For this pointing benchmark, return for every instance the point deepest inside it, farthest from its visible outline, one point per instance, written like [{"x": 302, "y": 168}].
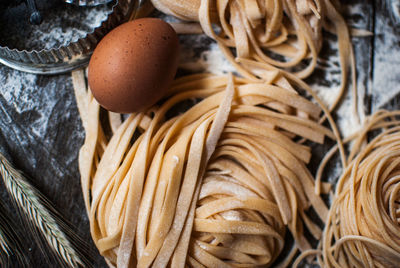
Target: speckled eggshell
[{"x": 133, "y": 65}]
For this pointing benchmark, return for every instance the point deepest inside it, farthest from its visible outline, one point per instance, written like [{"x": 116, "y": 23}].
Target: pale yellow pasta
[
  {"x": 363, "y": 226},
  {"x": 215, "y": 186},
  {"x": 279, "y": 34}
]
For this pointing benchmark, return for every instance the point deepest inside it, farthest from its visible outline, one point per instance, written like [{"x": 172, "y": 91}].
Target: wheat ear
[
  {"x": 28, "y": 200},
  {"x": 11, "y": 252}
]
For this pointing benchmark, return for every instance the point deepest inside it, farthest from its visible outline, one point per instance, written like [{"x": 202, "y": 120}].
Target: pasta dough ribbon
[
  {"x": 213, "y": 186},
  {"x": 363, "y": 224}
]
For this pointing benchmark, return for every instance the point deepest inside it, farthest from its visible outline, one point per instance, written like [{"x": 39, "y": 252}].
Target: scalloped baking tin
[
  {"x": 87, "y": 2},
  {"x": 71, "y": 56}
]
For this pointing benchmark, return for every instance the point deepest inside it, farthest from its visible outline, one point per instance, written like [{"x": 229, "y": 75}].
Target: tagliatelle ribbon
[
  {"x": 363, "y": 227},
  {"x": 279, "y": 34},
  {"x": 214, "y": 186}
]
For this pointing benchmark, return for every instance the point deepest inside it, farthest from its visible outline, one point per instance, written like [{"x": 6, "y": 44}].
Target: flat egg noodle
[
  {"x": 284, "y": 35},
  {"x": 363, "y": 225},
  {"x": 215, "y": 186}
]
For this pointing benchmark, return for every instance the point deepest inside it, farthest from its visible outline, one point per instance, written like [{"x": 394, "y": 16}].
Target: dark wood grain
[{"x": 41, "y": 132}]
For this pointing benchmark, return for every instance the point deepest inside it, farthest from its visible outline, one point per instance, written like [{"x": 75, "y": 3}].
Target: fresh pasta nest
[
  {"x": 217, "y": 185},
  {"x": 363, "y": 229},
  {"x": 276, "y": 33},
  {"x": 258, "y": 37}
]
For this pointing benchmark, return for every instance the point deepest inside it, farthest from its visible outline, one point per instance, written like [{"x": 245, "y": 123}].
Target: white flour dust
[
  {"x": 211, "y": 60},
  {"x": 52, "y": 36},
  {"x": 34, "y": 98},
  {"x": 60, "y": 26},
  {"x": 386, "y": 78}
]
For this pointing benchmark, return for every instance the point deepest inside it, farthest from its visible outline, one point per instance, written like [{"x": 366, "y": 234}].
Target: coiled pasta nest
[
  {"x": 258, "y": 37},
  {"x": 363, "y": 226},
  {"x": 216, "y": 185}
]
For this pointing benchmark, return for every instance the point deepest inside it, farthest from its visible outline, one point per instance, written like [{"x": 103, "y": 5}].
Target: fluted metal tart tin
[
  {"x": 87, "y": 2},
  {"x": 74, "y": 54}
]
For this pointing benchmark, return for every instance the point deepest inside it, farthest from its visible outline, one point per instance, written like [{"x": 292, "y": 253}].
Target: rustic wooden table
[{"x": 41, "y": 132}]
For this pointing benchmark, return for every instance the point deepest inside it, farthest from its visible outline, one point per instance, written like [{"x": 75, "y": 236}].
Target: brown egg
[{"x": 133, "y": 65}]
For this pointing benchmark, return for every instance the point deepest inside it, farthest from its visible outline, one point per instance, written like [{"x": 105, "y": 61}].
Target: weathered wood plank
[
  {"x": 40, "y": 129},
  {"x": 386, "y": 61}
]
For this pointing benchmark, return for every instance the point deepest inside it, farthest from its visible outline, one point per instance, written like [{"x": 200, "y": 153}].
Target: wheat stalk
[
  {"x": 4, "y": 248},
  {"x": 4, "y": 243},
  {"x": 29, "y": 201},
  {"x": 11, "y": 252}
]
